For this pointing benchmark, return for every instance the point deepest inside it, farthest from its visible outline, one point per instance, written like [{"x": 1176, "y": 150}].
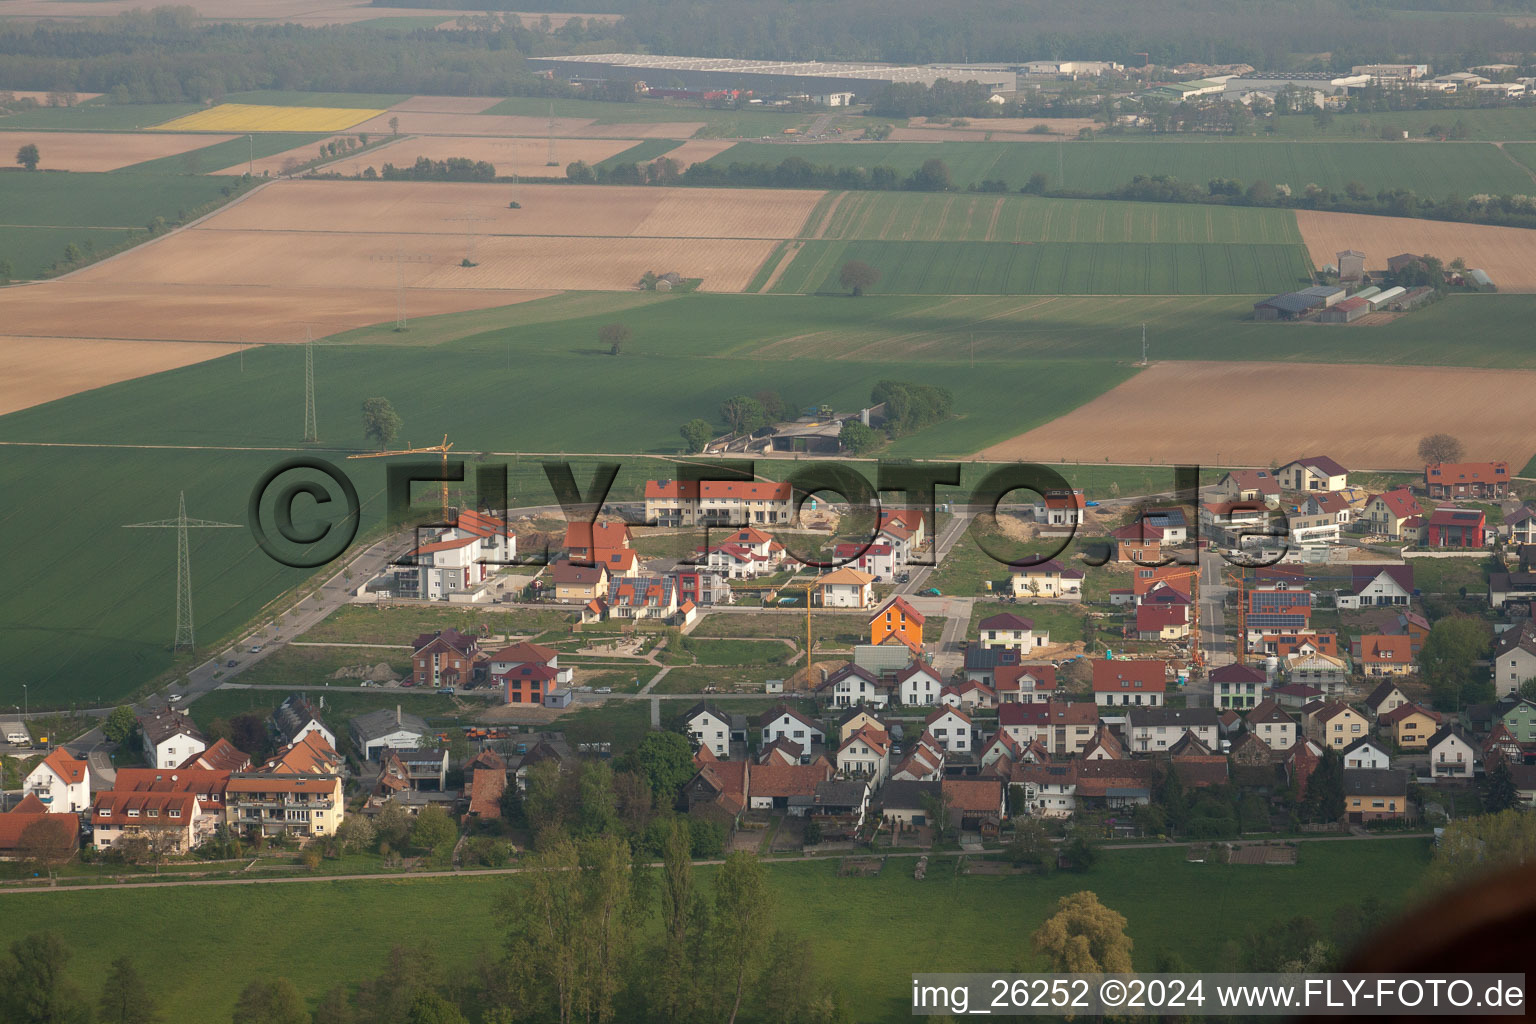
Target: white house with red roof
[
  {"x": 1060, "y": 508},
  {"x": 1024, "y": 684},
  {"x": 1166, "y": 622},
  {"x": 1049, "y": 580},
  {"x": 1250, "y": 485},
  {"x": 718, "y": 502},
  {"x": 924, "y": 762},
  {"x": 968, "y": 694},
  {"x": 878, "y": 559},
  {"x": 456, "y": 560},
  {"x": 1466, "y": 479},
  {"x": 527, "y": 672},
  {"x": 865, "y": 754},
  {"x": 908, "y": 522},
  {"x": 61, "y": 782},
  {"x": 846, "y": 588},
  {"x": 1313, "y": 473},
  {"x": 918, "y": 684},
  {"x": 744, "y": 554},
  {"x": 951, "y": 727},
  {"x": 1386, "y": 513},
  {"x": 1121, "y": 683},
  {"x": 851, "y": 685},
  {"x": 784, "y": 722}
]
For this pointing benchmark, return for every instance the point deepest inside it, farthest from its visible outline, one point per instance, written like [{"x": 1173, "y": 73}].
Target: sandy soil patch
[
  {"x": 432, "y": 207},
  {"x": 523, "y": 157},
  {"x": 1507, "y": 254},
  {"x": 447, "y": 104},
  {"x": 38, "y": 370},
  {"x": 696, "y": 151},
  {"x": 229, "y": 313},
  {"x": 615, "y": 264},
  {"x": 42, "y": 95},
  {"x": 1221, "y": 414},
  {"x": 103, "y": 151}
]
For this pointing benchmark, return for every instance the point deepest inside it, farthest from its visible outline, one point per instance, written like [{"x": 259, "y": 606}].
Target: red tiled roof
[
  {"x": 113, "y": 808},
  {"x": 1466, "y": 472},
  {"x": 526, "y": 653},
  {"x": 1400, "y": 502},
  {"x": 1380, "y": 649},
  {"x": 746, "y": 490},
  {"x": 607, "y": 535},
  {"x": 974, "y": 795},
  {"x": 788, "y": 779},
  {"x": 485, "y": 789},
  {"x": 899, "y": 604},
  {"x": 1403, "y": 711},
  {"x": 1122, "y": 675},
  {"x": 65, "y": 766},
  {"x": 1156, "y": 617},
  {"x": 938, "y": 713}
]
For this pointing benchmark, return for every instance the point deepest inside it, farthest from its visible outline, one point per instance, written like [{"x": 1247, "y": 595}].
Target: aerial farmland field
[
  {"x": 1440, "y": 169},
  {"x": 1507, "y": 254},
  {"x": 1052, "y": 268},
  {"x": 101, "y": 151},
  {"x": 249, "y": 117}
]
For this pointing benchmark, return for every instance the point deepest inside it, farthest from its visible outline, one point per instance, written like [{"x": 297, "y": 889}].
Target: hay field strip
[
  {"x": 1489, "y": 410},
  {"x": 1507, "y": 254},
  {"x": 241, "y": 117},
  {"x": 102, "y": 151}
]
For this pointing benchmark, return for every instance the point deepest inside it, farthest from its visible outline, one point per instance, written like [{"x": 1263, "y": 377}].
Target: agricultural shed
[
  {"x": 1328, "y": 293},
  {"x": 1386, "y": 298},
  {"x": 1345, "y": 312},
  {"x": 1285, "y": 307}
]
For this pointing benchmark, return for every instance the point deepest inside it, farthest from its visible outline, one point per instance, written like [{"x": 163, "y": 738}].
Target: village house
[
  {"x": 169, "y": 738},
  {"x": 1456, "y": 528},
  {"x": 1296, "y": 695},
  {"x": 60, "y": 782},
  {"x": 1164, "y": 622},
  {"x": 1147, "y": 579},
  {"x": 589, "y": 543},
  {"x": 1514, "y": 658},
  {"x": 1250, "y": 485},
  {"x": 642, "y": 597},
  {"x": 1409, "y": 726},
  {"x": 924, "y": 762},
  {"x": 1235, "y": 523},
  {"x": 378, "y": 730},
  {"x": 784, "y": 722},
  {"x": 303, "y": 806},
  {"x": 880, "y": 559},
  {"x": 968, "y": 695},
  {"x": 1011, "y": 631},
  {"x": 1151, "y": 730},
  {"x": 1050, "y": 580},
  {"x": 858, "y": 718},
  {"x": 1269, "y": 722},
  {"x": 528, "y": 673},
  {"x": 1001, "y": 750},
  {"x": 897, "y": 622},
  {"x": 708, "y": 726},
  {"x": 296, "y": 718},
  {"x": 851, "y": 685},
  {"x": 906, "y": 801},
  {"x": 223, "y": 756},
  {"x": 1329, "y": 505},
  {"x": 981, "y": 664},
  {"x": 786, "y": 787},
  {"x": 846, "y": 588},
  {"x": 918, "y": 684},
  {"x": 456, "y": 560},
  {"x": 413, "y": 769},
  {"x": 1412, "y": 625},
  {"x": 746, "y": 553},
  {"x": 1375, "y": 794},
  {"x": 444, "y": 658},
  {"x": 1466, "y": 479},
  {"x": 1373, "y": 586},
  {"x": 866, "y": 754},
  {"x": 718, "y": 502},
  {"x": 1024, "y": 684},
  {"x": 1312, "y": 669},
  {"x": 1278, "y": 611},
  {"x": 1120, "y": 683},
  {"x": 1365, "y": 753},
  {"x": 1068, "y": 727},
  {"x": 1387, "y": 696},
  {"x": 1521, "y": 525},
  {"x": 1138, "y": 542},
  {"x": 974, "y": 803},
  {"x": 170, "y": 821},
  {"x": 1333, "y": 724},
  {"x": 578, "y": 584},
  {"x": 1386, "y": 513},
  {"x": 1045, "y": 790},
  {"x": 717, "y": 792},
  {"x": 951, "y": 727},
  {"x": 485, "y": 782},
  {"x": 1451, "y": 754},
  {"x": 1380, "y": 655},
  {"x": 1314, "y": 473},
  {"x": 1237, "y": 686},
  {"x": 1060, "y": 508}
]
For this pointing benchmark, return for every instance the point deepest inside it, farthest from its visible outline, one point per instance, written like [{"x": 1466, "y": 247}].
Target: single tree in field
[
  {"x": 28, "y": 157},
  {"x": 613, "y": 336},
  {"x": 857, "y": 275},
  {"x": 270, "y": 1002},
  {"x": 124, "y": 997},
  {"x": 696, "y": 434},
  {"x": 742, "y": 413},
  {"x": 6, "y": 270},
  {"x": 1440, "y": 448},
  {"x": 394, "y": 126},
  {"x": 380, "y": 421},
  {"x": 1084, "y": 937}
]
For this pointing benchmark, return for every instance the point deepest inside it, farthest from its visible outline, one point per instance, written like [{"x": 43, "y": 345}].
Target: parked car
[
  {"x": 603, "y": 689},
  {"x": 448, "y": 690},
  {"x": 175, "y": 697},
  {"x": 256, "y": 649},
  {"x": 19, "y": 739},
  {"x": 231, "y": 663}
]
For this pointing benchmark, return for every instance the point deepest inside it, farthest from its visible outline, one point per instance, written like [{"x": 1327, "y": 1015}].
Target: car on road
[
  {"x": 1090, "y": 504},
  {"x": 19, "y": 739},
  {"x": 603, "y": 689},
  {"x": 447, "y": 690},
  {"x": 175, "y": 697},
  {"x": 256, "y": 649},
  {"x": 932, "y": 592},
  {"x": 231, "y": 663},
  {"x": 903, "y": 577}
]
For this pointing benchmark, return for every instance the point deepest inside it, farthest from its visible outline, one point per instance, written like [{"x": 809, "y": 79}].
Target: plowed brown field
[
  {"x": 1224, "y": 414},
  {"x": 522, "y": 125},
  {"x": 1507, "y": 254},
  {"x": 103, "y": 151},
  {"x": 523, "y": 157},
  {"x": 39, "y": 370}
]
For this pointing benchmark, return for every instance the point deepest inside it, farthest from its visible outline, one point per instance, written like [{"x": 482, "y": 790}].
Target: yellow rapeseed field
[{"x": 245, "y": 117}]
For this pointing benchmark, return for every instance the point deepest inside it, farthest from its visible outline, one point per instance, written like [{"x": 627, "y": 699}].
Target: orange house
[
  {"x": 897, "y": 620},
  {"x": 1179, "y": 577}
]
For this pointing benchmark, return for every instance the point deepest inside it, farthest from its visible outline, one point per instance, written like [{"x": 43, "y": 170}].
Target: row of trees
[
  {"x": 742, "y": 414},
  {"x": 454, "y": 168},
  {"x": 34, "y": 988}
]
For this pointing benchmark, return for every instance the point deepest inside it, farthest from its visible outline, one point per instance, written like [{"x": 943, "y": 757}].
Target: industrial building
[{"x": 824, "y": 81}]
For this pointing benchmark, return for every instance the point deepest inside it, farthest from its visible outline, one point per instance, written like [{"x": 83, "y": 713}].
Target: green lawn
[
  {"x": 97, "y": 115},
  {"x": 437, "y": 709},
  {"x": 224, "y": 154},
  {"x": 1052, "y": 268},
  {"x": 1063, "y": 621},
  {"x": 929, "y": 217},
  {"x": 706, "y": 651},
  {"x": 828, "y": 629},
  {"x": 847, "y": 920},
  {"x": 361, "y": 624},
  {"x": 1448, "y": 575},
  {"x": 1490, "y": 124},
  {"x": 1460, "y": 168}
]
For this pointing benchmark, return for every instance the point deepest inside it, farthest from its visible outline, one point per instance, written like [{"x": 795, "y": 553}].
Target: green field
[
  {"x": 1497, "y": 124},
  {"x": 848, "y": 920},
  {"x": 1525, "y": 152},
  {"x": 97, "y": 115},
  {"x": 717, "y": 123},
  {"x": 42, "y": 212},
  {"x": 641, "y": 152},
  {"x": 1460, "y": 168},
  {"x": 925, "y": 217},
  {"x": 224, "y": 154},
  {"x": 1052, "y": 268}
]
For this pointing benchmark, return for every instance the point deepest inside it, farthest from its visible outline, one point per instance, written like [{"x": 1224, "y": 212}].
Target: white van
[{"x": 19, "y": 739}]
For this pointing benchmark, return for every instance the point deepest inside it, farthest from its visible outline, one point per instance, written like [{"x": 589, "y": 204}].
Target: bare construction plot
[
  {"x": 39, "y": 370},
  {"x": 1220, "y": 414},
  {"x": 103, "y": 151},
  {"x": 1507, "y": 254}
]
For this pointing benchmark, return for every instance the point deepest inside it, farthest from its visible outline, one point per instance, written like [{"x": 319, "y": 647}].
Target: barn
[{"x": 1345, "y": 312}]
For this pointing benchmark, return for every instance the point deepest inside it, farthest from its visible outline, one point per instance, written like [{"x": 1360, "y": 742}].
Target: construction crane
[
  {"x": 807, "y": 589},
  {"x": 443, "y": 448},
  {"x": 1193, "y": 575}
]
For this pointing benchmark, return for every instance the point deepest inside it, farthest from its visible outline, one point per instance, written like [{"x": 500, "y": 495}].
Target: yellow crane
[
  {"x": 443, "y": 448},
  {"x": 808, "y": 588}
]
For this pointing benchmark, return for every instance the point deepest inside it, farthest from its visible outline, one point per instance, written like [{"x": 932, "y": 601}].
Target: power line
[
  {"x": 400, "y": 258},
  {"x": 184, "y": 635},
  {"x": 311, "y": 429}
]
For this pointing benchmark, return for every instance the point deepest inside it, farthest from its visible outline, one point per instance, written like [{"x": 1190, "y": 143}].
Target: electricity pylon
[
  {"x": 184, "y": 637},
  {"x": 311, "y": 429}
]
